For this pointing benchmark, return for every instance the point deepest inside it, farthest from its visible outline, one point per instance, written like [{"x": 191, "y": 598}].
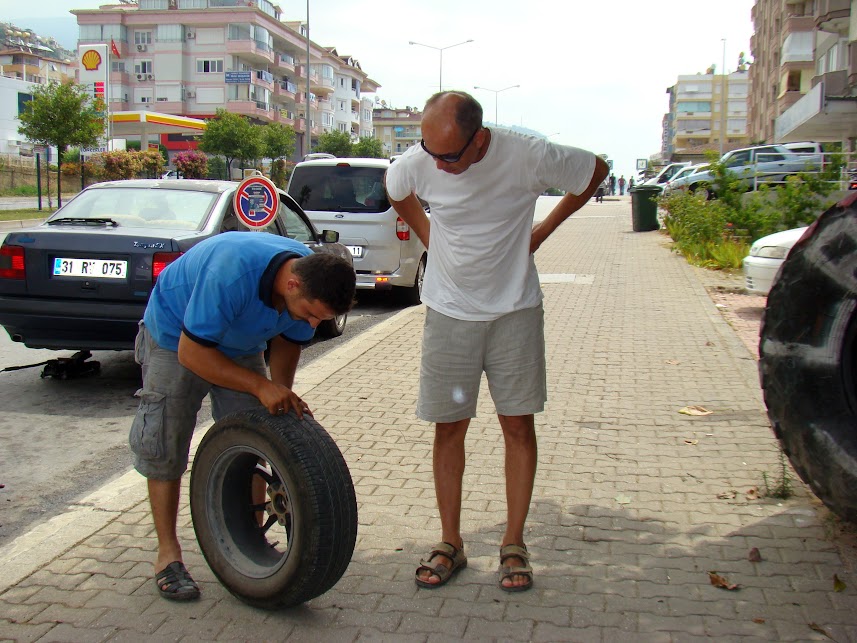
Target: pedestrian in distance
[
  {"x": 612, "y": 185},
  {"x": 622, "y": 185},
  {"x": 204, "y": 331},
  {"x": 484, "y": 304},
  {"x": 630, "y": 184},
  {"x": 599, "y": 192}
]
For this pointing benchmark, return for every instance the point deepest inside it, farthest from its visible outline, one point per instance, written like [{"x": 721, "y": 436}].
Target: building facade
[
  {"x": 783, "y": 63},
  {"x": 191, "y": 57},
  {"x": 707, "y": 111},
  {"x": 397, "y": 129},
  {"x": 828, "y": 110}
]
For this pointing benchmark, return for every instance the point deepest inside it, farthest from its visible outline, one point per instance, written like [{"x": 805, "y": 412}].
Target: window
[
  {"x": 170, "y": 33},
  {"x": 213, "y": 66},
  {"x": 117, "y": 65},
  {"x": 142, "y": 37},
  {"x": 143, "y": 67}
]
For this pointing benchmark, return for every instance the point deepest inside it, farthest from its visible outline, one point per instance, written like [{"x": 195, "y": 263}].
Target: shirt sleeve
[
  {"x": 567, "y": 168},
  {"x": 213, "y": 306},
  {"x": 398, "y": 182}
]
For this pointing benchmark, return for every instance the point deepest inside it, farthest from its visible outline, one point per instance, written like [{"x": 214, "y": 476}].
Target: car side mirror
[{"x": 329, "y": 236}]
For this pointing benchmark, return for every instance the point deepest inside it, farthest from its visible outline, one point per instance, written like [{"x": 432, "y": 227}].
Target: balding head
[{"x": 453, "y": 109}]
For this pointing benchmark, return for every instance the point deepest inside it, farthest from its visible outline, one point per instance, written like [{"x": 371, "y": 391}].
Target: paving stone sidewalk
[{"x": 634, "y": 503}]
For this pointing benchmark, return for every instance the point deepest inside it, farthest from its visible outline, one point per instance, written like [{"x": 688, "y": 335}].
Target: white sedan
[{"x": 766, "y": 256}]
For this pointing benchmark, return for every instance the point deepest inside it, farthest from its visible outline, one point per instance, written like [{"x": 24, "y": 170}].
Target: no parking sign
[{"x": 256, "y": 202}]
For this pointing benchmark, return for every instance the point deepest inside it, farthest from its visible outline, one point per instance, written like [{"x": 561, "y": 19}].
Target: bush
[
  {"x": 192, "y": 164},
  {"x": 70, "y": 169},
  {"x": 152, "y": 163},
  {"x": 217, "y": 168},
  {"x": 278, "y": 173}
]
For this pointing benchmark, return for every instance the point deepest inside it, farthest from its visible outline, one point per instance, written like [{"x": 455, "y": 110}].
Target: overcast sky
[{"x": 596, "y": 72}]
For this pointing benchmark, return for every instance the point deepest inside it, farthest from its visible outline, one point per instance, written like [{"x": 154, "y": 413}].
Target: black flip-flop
[{"x": 175, "y": 583}]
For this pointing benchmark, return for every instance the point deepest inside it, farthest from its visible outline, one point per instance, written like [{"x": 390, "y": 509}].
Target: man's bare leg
[
  {"x": 448, "y": 465},
  {"x": 519, "y": 434},
  {"x": 164, "y": 500}
]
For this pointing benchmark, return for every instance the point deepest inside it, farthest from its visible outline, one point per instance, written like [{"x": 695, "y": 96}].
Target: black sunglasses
[{"x": 450, "y": 158}]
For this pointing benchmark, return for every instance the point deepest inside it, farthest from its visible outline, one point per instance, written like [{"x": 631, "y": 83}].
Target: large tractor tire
[
  {"x": 808, "y": 358},
  {"x": 296, "y": 543}
]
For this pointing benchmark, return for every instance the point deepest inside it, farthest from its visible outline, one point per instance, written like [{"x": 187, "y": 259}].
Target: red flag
[{"x": 114, "y": 48}]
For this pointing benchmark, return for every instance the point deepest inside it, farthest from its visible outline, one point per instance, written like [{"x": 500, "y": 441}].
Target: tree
[
  {"x": 369, "y": 148},
  {"x": 62, "y": 115},
  {"x": 279, "y": 141},
  {"x": 228, "y": 134},
  {"x": 251, "y": 147},
  {"x": 336, "y": 143}
]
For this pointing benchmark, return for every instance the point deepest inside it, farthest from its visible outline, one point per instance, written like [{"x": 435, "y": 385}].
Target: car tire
[
  {"x": 808, "y": 358},
  {"x": 413, "y": 294},
  {"x": 333, "y": 327},
  {"x": 310, "y": 510}
]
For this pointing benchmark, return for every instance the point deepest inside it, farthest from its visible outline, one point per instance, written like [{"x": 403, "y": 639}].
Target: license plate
[
  {"x": 97, "y": 268},
  {"x": 356, "y": 251}
]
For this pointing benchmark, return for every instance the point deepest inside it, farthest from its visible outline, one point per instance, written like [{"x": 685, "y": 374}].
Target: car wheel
[
  {"x": 808, "y": 364},
  {"x": 333, "y": 327},
  {"x": 413, "y": 295},
  {"x": 308, "y": 517}
]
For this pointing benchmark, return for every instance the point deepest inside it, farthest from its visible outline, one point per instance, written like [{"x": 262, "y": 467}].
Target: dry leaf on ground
[
  {"x": 719, "y": 581},
  {"x": 727, "y": 495},
  {"x": 838, "y": 585},
  {"x": 754, "y": 555},
  {"x": 695, "y": 410}
]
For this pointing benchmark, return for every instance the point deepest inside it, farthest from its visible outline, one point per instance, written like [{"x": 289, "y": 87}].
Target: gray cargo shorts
[
  {"x": 510, "y": 351},
  {"x": 169, "y": 402}
]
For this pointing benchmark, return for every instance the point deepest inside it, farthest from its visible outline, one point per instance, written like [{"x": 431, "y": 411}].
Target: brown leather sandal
[
  {"x": 444, "y": 573},
  {"x": 508, "y": 571}
]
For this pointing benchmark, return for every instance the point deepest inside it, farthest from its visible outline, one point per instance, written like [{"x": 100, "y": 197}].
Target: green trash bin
[{"x": 644, "y": 207}]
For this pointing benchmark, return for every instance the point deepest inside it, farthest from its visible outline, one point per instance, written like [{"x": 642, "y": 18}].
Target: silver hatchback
[{"x": 347, "y": 195}]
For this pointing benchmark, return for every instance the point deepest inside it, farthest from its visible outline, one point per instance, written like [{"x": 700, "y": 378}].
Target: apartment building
[
  {"x": 397, "y": 129},
  {"x": 191, "y": 57},
  {"x": 828, "y": 110},
  {"x": 782, "y": 46},
  {"x": 707, "y": 111}
]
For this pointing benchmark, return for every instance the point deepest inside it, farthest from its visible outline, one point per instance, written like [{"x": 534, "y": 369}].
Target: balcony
[
  {"x": 832, "y": 15},
  {"x": 251, "y": 50},
  {"x": 251, "y": 108},
  {"x": 284, "y": 61},
  {"x": 285, "y": 117},
  {"x": 835, "y": 82},
  {"x": 285, "y": 89},
  {"x": 264, "y": 79},
  {"x": 794, "y": 24}
]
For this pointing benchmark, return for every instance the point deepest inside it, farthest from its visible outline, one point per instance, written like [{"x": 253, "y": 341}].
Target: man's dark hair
[
  {"x": 327, "y": 278},
  {"x": 468, "y": 111}
]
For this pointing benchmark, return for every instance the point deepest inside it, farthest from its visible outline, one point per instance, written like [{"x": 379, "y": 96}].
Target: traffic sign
[{"x": 256, "y": 202}]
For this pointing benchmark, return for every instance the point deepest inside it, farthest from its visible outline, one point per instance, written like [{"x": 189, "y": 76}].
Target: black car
[{"x": 81, "y": 279}]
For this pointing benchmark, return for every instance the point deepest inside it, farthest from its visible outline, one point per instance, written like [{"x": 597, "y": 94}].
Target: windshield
[
  {"x": 141, "y": 207},
  {"x": 339, "y": 188}
]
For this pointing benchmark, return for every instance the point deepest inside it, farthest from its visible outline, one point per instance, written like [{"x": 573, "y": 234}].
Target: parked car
[
  {"x": 665, "y": 174},
  {"x": 347, "y": 195},
  {"x": 314, "y": 156},
  {"x": 81, "y": 279},
  {"x": 172, "y": 174},
  {"x": 762, "y": 164},
  {"x": 766, "y": 256},
  {"x": 681, "y": 179}
]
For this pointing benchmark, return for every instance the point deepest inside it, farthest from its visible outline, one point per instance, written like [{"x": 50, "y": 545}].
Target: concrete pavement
[{"x": 634, "y": 502}]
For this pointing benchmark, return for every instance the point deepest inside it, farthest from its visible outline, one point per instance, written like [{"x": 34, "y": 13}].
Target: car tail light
[
  {"x": 403, "y": 230},
  {"x": 161, "y": 260},
  {"x": 12, "y": 262}
]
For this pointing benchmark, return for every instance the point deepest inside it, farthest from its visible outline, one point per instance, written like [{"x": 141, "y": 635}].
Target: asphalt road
[{"x": 63, "y": 438}]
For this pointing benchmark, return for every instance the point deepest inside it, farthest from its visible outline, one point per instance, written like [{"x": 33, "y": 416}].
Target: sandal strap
[
  {"x": 444, "y": 549},
  {"x": 175, "y": 574},
  {"x": 514, "y": 551}
]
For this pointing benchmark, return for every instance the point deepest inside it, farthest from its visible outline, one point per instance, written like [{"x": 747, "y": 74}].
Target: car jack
[{"x": 65, "y": 368}]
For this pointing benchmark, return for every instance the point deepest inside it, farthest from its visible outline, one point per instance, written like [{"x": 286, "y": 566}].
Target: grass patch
[
  {"x": 780, "y": 485},
  {"x": 25, "y": 213}
]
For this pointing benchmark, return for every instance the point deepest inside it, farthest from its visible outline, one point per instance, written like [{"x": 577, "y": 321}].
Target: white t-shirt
[{"x": 479, "y": 262}]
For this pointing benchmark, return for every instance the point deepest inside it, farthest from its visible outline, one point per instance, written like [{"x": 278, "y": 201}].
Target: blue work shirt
[{"x": 219, "y": 293}]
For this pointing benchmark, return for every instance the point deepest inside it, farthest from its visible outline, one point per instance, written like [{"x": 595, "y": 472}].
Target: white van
[
  {"x": 347, "y": 195},
  {"x": 667, "y": 172}
]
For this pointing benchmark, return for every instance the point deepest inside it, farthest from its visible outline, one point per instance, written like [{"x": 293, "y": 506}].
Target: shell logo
[{"x": 91, "y": 60}]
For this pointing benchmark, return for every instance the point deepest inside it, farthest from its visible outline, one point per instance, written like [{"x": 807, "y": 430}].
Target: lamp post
[
  {"x": 497, "y": 91},
  {"x": 440, "y": 49},
  {"x": 724, "y": 99},
  {"x": 308, "y": 121}
]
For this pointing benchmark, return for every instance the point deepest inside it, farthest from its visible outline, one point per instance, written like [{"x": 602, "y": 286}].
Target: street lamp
[
  {"x": 724, "y": 99},
  {"x": 440, "y": 49},
  {"x": 497, "y": 91}
]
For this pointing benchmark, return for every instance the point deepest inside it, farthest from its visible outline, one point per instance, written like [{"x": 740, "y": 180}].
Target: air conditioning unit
[
  {"x": 190, "y": 94},
  {"x": 150, "y": 76},
  {"x": 142, "y": 47},
  {"x": 141, "y": 76},
  {"x": 190, "y": 35}
]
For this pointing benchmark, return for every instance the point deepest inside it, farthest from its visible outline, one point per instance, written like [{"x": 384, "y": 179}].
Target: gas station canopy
[{"x": 144, "y": 123}]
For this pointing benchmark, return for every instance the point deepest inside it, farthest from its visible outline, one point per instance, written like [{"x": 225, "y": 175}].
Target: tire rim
[{"x": 254, "y": 550}]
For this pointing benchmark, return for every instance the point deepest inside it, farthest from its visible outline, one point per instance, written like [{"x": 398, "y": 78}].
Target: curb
[
  {"x": 51, "y": 539},
  {"x": 19, "y": 224}
]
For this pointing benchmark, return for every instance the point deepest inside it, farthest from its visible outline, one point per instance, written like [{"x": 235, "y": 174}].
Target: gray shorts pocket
[{"x": 147, "y": 430}]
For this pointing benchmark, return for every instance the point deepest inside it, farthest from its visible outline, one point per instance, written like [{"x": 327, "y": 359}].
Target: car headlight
[{"x": 772, "y": 252}]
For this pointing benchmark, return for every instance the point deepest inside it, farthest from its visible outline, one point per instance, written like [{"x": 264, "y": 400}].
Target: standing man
[
  {"x": 484, "y": 301},
  {"x": 204, "y": 331}
]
